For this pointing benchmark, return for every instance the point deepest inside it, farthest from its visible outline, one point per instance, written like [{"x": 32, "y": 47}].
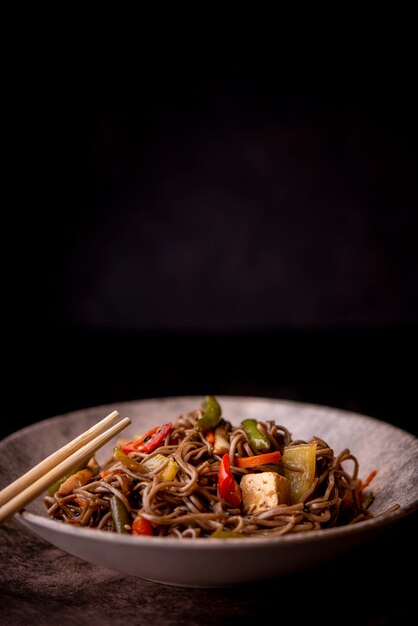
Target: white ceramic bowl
[{"x": 223, "y": 562}]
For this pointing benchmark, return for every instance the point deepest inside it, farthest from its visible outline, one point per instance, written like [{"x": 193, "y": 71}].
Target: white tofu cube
[{"x": 264, "y": 491}]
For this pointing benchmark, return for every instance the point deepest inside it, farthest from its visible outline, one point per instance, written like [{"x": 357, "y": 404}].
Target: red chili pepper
[
  {"x": 142, "y": 526},
  {"x": 149, "y": 441},
  {"x": 229, "y": 489},
  {"x": 134, "y": 444}
]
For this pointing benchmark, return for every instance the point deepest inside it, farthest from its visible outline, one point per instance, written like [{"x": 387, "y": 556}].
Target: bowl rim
[{"x": 33, "y": 520}]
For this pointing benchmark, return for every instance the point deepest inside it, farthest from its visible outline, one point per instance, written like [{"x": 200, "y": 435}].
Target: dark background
[
  {"x": 193, "y": 227},
  {"x": 190, "y": 224}
]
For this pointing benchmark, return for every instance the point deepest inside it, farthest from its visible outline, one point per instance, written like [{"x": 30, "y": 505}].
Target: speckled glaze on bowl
[{"x": 223, "y": 562}]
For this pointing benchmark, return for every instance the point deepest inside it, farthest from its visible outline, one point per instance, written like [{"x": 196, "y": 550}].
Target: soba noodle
[{"x": 189, "y": 504}]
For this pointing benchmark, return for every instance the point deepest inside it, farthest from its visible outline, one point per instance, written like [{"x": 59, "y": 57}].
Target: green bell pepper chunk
[
  {"x": 211, "y": 415},
  {"x": 258, "y": 441},
  {"x": 127, "y": 461},
  {"x": 226, "y": 534}
]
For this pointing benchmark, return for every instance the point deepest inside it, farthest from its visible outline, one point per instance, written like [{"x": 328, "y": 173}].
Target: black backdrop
[{"x": 194, "y": 228}]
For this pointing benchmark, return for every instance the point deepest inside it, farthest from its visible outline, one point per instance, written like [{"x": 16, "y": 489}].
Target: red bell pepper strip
[
  {"x": 229, "y": 489},
  {"x": 142, "y": 526},
  {"x": 149, "y": 441}
]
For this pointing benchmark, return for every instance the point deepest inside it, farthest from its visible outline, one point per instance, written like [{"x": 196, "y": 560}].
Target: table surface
[{"x": 373, "y": 584}]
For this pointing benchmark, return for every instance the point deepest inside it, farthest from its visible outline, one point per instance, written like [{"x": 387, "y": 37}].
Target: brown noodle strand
[{"x": 189, "y": 506}]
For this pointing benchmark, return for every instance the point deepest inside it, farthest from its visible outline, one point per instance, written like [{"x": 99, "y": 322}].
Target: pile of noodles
[{"x": 189, "y": 506}]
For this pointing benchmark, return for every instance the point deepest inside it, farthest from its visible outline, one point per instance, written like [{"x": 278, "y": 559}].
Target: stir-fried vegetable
[
  {"x": 170, "y": 471},
  {"x": 258, "y": 459},
  {"x": 299, "y": 468},
  {"x": 366, "y": 482},
  {"x": 225, "y": 534},
  {"x": 77, "y": 478},
  {"x": 127, "y": 461},
  {"x": 211, "y": 414},
  {"x": 258, "y": 440},
  {"x": 54, "y": 488},
  {"x": 229, "y": 490},
  {"x": 210, "y": 436},
  {"x": 205, "y": 477},
  {"x": 168, "y": 466},
  {"x": 221, "y": 443},
  {"x": 142, "y": 526},
  {"x": 120, "y": 515},
  {"x": 149, "y": 441}
]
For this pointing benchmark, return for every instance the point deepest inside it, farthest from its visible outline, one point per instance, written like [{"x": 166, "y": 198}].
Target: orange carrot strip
[
  {"x": 104, "y": 473},
  {"x": 210, "y": 436},
  {"x": 82, "y": 502},
  {"x": 366, "y": 483},
  {"x": 258, "y": 459}
]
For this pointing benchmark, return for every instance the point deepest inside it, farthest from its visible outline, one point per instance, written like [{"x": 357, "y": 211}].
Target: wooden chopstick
[
  {"x": 29, "y": 486},
  {"x": 55, "y": 458}
]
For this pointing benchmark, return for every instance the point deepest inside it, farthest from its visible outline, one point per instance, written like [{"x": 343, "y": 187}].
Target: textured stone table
[{"x": 41, "y": 585}]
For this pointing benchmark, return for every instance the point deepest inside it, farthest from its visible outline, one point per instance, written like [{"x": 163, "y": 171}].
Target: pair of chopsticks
[{"x": 37, "y": 480}]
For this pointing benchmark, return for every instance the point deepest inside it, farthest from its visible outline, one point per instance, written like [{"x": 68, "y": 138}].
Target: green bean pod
[{"x": 120, "y": 515}]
